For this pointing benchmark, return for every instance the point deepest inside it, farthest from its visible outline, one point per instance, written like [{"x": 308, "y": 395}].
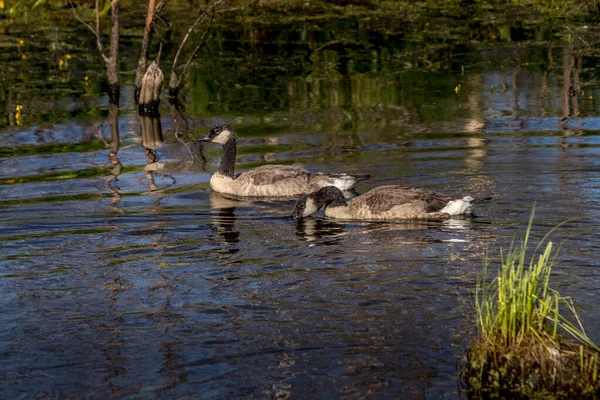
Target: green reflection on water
[
  {"x": 58, "y": 176},
  {"x": 51, "y": 149},
  {"x": 295, "y": 56}
]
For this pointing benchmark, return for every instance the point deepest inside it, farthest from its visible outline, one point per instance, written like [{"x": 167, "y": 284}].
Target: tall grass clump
[{"x": 531, "y": 341}]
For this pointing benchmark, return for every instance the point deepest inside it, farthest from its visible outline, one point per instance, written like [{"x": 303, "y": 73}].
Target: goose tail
[
  {"x": 463, "y": 206},
  {"x": 347, "y": 182},
  {"x": 479, "y": 200}
]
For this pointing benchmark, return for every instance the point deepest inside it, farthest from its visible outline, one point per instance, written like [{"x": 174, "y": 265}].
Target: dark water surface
[{"x": 121, "y": 275}]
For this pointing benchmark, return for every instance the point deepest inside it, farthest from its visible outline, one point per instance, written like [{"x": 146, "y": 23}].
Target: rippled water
[{"x": 121, "y": 275}]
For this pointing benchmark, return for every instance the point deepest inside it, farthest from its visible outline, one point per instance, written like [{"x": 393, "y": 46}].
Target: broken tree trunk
[
  {"x": 113, "y": 58},
  {"x": 151, "y": 127},
  {"x": 150, "y": 91},
  {"x": 152, "y": 15}
]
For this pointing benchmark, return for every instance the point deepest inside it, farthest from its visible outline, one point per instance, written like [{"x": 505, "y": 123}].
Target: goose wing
[
  {"x": 384, "y": 198},
  {"x": 272, "y": 174}
]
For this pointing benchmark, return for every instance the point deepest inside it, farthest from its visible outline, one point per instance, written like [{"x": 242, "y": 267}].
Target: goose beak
[{"x": 204, "y": 138}]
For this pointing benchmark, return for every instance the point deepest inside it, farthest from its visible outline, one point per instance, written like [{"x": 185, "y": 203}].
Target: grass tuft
[{"x": 531, "y": 340}]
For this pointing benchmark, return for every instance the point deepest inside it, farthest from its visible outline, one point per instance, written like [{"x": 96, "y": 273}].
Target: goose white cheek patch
[
  {"x": 310, "y": 207},
  {"x": 222, "y": 137}
]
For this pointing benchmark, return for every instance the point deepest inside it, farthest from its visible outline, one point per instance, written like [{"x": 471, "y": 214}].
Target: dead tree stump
[
  {"x": 152, "y": 136},
  {"x": 150, "y": 91}
]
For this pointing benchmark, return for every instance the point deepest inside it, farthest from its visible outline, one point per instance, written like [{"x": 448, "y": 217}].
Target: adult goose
[
  {"x": 389, "y": 202},
  {"x": 267, "y": 180}
]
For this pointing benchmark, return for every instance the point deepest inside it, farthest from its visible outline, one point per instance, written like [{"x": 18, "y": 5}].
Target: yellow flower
[
  {"x": 18, "y": 115},
  {"x": 68, "y": 56},
  {"x": 61, "y": 63},
  {"x": 1, "y": 4},
  {"x": 23, "y": 56},
  {"x": 21, "y": 42},
  {"x": 457, "y": 89}
]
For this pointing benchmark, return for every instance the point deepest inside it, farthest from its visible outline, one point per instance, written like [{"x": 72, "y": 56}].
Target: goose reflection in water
[
  {"x": 319, "y": 231},
  {"x": 311, "y": 229},
  {"x": 223, "y": 221}
]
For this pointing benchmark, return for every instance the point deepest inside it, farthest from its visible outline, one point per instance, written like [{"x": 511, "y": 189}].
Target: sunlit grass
[{"x": 531, "y": 338}]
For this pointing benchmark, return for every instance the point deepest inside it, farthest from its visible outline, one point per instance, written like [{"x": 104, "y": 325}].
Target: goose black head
[
  {"x": 313, "y": 202},
  {"x": 220, "y": 134}
]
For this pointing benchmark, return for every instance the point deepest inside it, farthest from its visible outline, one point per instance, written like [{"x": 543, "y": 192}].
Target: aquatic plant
[{"x": 527, "y": 345}]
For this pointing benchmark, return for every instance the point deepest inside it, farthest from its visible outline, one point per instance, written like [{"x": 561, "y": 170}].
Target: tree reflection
[
  {"x": 182, "y": 124},
  {"x": 571, "y": 90},
  {"x": 115, "y": 144},
  {"x": 152, "y": 138}
]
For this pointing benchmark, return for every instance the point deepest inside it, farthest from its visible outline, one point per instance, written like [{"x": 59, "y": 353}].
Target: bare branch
[
  {"x": 160, "y": 46},
  {"x": 187, "y": 35},
  {"x": 161, "y": 4},
  {"x": 112, "y": 61},
  {"x": 114, "y": 33},
  {"x": 237, "y": 8},
  {"x": 99, "y": 41},
  {"x": 152, "y": 15},
  {"x": 203, "y": 41},
  {"x": 96, "y": 32},
  {"x": 175, "y": 81}
]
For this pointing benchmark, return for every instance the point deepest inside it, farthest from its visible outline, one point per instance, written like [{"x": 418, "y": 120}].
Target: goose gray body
[
  {"x": 267, "y": 180},
  {"x": 389, "y": 202}
]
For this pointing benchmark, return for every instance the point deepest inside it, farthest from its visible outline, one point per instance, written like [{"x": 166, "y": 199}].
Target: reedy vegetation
[{"x": 526, "y": 342}]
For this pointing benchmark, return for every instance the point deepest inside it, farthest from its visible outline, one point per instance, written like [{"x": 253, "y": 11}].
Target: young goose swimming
[
  {"x": 268, "y": 180},
  {"x": 389, "y": 202}
]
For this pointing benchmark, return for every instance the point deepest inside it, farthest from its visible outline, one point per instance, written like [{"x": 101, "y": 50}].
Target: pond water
[{"x": 122, "y": 275}]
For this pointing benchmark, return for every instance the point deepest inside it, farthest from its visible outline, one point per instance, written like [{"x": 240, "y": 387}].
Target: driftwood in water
[{"x": 150, "y": 92}]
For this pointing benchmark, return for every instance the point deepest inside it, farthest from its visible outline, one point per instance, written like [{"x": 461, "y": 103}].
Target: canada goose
[
  {"x": 389, "y": 202},
  {"x": 267, "y": 180}
]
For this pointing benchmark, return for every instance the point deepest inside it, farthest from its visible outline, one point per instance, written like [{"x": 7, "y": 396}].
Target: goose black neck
[
  {"x": 337, "y": 202},
  {"x": 228, "y": 161},
  {"x": 331, "y": 196}
]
